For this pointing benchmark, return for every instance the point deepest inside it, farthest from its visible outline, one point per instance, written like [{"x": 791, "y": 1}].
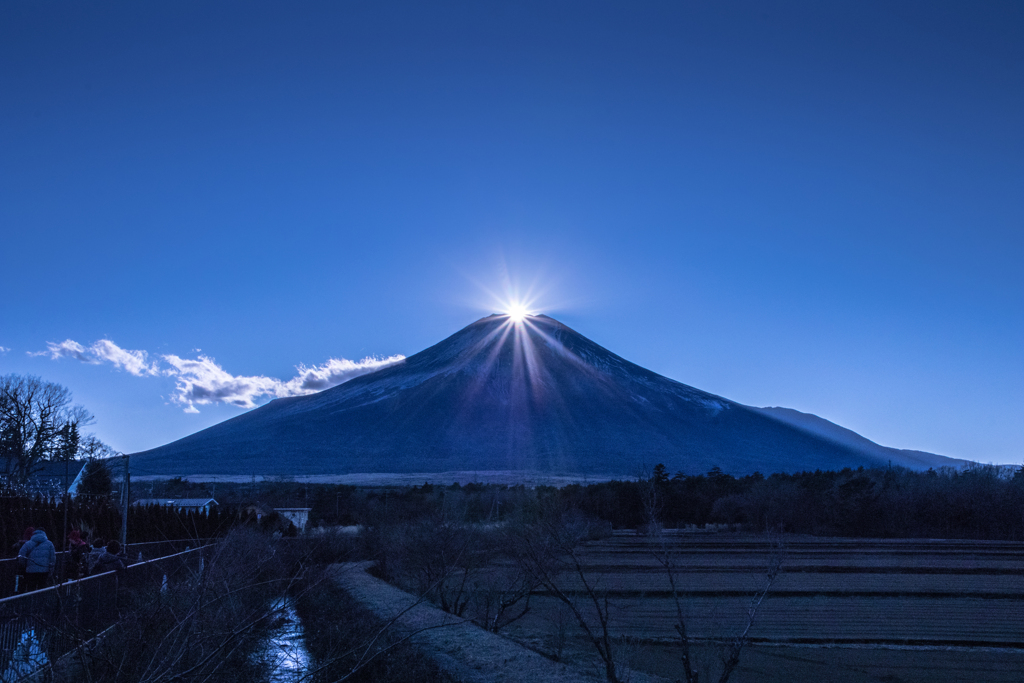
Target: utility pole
[
  {"x": 67, "y": 487},
  {"x": 125, "y": 492}
]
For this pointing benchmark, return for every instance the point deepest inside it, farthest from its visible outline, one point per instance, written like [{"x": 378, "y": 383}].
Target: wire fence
[{"x": 37, "y": 629}]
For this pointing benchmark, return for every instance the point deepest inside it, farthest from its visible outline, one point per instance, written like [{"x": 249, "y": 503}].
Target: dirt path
[{"x": 463, "y": 650}]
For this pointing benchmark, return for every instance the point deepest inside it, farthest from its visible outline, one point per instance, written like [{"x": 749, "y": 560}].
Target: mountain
[
  {"x": 514, "y": 396},
  {"x": 833, "y": 432}
]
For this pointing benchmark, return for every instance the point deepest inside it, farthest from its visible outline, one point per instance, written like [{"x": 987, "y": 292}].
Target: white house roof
[{"x": 48, "y": 477}]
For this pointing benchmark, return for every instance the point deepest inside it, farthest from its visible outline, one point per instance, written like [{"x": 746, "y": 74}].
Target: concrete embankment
[{"x": 463, "y": 650}]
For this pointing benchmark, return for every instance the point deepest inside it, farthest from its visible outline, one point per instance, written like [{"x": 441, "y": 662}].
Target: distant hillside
[
  {"x": 530, "y": 396},
  {"x": 841, "y": 435}
]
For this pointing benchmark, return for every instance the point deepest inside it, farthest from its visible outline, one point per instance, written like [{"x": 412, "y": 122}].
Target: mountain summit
[{"x": 516, "y": 396}]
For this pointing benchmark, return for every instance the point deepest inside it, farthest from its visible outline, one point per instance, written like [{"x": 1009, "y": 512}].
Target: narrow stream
[{"x": 285, "y": 651}]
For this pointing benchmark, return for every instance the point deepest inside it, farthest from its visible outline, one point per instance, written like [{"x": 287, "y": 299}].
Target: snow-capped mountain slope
[{"x": 496, "y": 395}]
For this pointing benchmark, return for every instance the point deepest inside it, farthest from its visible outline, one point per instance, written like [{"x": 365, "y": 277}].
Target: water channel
[{"x": 285, "y": 650}]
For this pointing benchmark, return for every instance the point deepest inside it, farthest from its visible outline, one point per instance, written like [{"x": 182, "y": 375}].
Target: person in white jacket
[{"x": 40, "y": 559}]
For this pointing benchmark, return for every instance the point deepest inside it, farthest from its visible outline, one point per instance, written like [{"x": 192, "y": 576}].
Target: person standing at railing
[
  {"x": 40, "y": 557},
  {"x": 19, "y": 577},
  {"x": 75, "y": 556},
  {"x": 110, "y": 560},
  {"x": 98, "y": 548}
]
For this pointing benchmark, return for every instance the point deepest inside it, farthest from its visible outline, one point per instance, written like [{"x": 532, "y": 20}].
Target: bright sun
[{"x": 516, "y": 312}]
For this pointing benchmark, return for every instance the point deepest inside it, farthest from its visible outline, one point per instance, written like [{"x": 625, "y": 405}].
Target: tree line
[{"x": 980, "y": 502}]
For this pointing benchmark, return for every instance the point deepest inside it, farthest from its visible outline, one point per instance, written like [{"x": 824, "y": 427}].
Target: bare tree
[
  {"x": 92, "y": 448},
  {"x": 732, "y": 647},
  {"x": 551, "y": 551},
  {"x": 438, "y": 556},
  {"x": 502, "y": 594},
  {"x": 36, "y": 424},
  {"x": 503, "y": 587},
  {"x": 735, "y": 645},
  {"x": 464, "y": 568},
  {"x": 651, "y": 500}
]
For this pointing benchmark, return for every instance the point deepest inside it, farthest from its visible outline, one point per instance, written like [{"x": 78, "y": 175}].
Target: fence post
[{"x": 125, "y": 495}]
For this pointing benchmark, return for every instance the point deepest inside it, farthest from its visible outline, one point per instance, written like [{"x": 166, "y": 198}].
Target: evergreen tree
[
  {"x": 67, "y": 442},
  {"x": 96, "y": 480}
]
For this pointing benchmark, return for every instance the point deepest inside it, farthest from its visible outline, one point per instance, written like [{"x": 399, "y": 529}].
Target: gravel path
[{"x": 463, "y": 650}]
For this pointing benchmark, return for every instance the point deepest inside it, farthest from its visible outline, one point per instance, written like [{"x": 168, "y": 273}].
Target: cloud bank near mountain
[{"x": 201, "y": 381}]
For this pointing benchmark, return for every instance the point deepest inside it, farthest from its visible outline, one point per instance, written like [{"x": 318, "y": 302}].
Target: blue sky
[{"x": 813, "y": 205}]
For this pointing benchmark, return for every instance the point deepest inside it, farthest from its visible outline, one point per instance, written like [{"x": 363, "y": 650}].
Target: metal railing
[
  {"x": 37, "y": 629},
  {"x": 135, "y": 552}
]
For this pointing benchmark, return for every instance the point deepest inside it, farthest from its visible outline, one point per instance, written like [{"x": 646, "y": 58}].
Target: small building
[
  {"x": 185, "y": 504},
  {"x": 297, "y": 516},
  {"x": 257, "y": 510}
]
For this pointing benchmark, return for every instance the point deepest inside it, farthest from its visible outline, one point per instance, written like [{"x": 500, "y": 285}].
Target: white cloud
[
  {"x": 4, "y": 349},
  {"x": 103, "y": 351},
  {"x": 132, "y": 361},
  {"x": 201, "y": 381},
  {"x": 332, "y": 373},
  {"x": 66, "y": 349}
]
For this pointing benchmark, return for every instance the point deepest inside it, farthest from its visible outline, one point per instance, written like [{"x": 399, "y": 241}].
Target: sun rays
[{"x": 517, "y": 312}]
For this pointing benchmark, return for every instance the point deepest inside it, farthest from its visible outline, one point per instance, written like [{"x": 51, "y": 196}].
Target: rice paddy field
[{"x": 841, "y": 610}]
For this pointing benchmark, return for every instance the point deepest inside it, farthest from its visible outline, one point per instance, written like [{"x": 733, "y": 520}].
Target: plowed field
[{"x": 929, "y": 611}]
